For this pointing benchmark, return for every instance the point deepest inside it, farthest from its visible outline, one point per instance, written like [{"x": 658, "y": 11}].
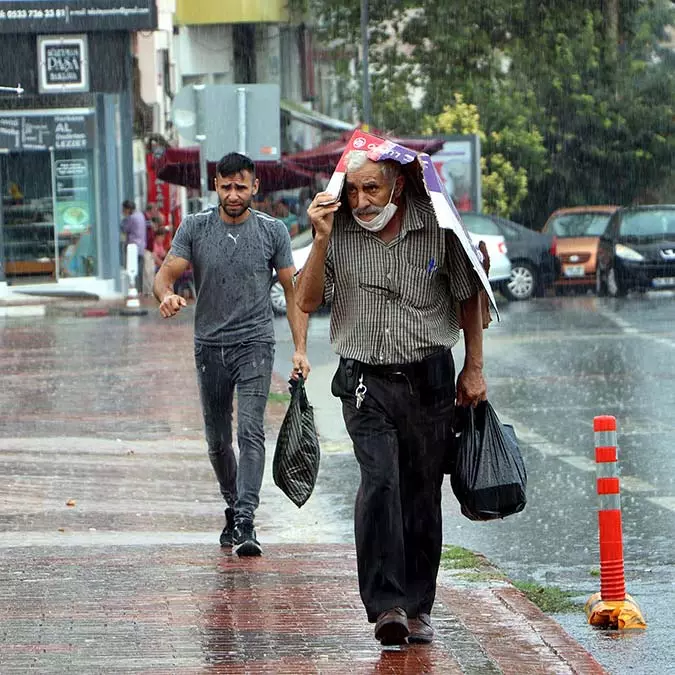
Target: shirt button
[
  {"x": 386, "y": 330},
  {"x": 381, "y": 357}
]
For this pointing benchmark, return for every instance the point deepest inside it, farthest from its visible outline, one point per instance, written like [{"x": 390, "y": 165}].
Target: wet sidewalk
[
  {"x": 296, "y": 610},
  {"x": 110, "y": 564},
  {"x": 110, "y": 516}
]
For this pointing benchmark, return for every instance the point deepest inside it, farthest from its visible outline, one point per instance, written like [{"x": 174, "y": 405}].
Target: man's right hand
[
  {"x": 171, "y": 305},
  {"x": 322, "y": 217}
]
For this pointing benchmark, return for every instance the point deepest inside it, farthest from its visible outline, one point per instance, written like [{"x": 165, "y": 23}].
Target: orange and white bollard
[{"x": 612, "y": 607}]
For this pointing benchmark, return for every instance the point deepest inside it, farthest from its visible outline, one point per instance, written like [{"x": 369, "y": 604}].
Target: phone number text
[{"x": 10, "y": 14}]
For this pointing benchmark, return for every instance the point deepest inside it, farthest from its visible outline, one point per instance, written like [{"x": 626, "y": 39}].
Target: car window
[
  {"x": 648, "y": 223},
  {"x": 480, "y": 224},
  {"x": 508, "y": 230},
  {"x": 579, "y": 224}
]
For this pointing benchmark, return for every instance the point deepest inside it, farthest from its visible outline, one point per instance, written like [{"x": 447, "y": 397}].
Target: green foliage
[
  {"x": 575, "y": 105},
  {"x": 504, "y": 182},
  {"x": 549, "y": 599},
  {"x": 457, "y": 557}
]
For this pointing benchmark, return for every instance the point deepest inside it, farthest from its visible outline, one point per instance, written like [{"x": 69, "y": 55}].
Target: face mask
[{"x": 380, "y": 221}]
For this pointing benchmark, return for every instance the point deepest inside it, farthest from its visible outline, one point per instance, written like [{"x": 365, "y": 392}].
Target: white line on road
[
  {"x": 630, "y": 329},
  {"x": 543, "y": 446}
]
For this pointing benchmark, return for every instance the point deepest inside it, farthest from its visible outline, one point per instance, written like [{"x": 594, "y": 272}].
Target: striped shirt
[{"x": 394, "y": 303}]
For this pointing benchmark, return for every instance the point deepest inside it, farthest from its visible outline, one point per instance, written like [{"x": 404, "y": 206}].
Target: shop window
[{"x": 49, "y": 215}]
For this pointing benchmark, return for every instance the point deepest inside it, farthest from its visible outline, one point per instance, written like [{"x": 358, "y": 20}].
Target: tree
[
  {"x": 504, "y": 182},
  {"x": 579, "y": 94}
]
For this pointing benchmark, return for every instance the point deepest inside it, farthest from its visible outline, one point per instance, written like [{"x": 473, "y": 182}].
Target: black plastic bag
[
  {"x": 489, "y": 477},
  {"x": 296, "y": 457}
]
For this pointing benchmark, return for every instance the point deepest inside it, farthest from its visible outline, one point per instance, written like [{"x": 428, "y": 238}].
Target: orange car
[{"x": 578, "y": 231}]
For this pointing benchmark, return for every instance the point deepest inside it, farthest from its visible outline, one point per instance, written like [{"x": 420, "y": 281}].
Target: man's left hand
[
  {"x": 471, "y": 387},
  {"x": 300, "y": 365}
]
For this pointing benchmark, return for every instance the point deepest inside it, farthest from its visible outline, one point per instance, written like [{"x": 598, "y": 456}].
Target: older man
[{"x": 394, "y": 278}]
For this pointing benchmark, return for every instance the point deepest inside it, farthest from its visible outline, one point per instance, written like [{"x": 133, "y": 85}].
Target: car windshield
[
  {"x": 579, "y": 224},
  {"x": 480, "y": 224},
  {"x": 648, "y": 223}
]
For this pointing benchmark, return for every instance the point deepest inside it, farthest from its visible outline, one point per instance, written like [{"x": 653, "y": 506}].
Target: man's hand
[
  {"x": 471, "y": 386},
  {"x": 171, "y": 304},
  {"x": 320, "y": 216},
  {"x": 300, "y": 365},
  {"x": 486, "y": 256}
]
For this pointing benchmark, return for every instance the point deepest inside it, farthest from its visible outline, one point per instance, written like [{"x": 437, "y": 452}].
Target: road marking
[
  {"x": 629, "y": 484},
  {"x": 665, "y": 502},
  {"x": 630, "y": 329}
]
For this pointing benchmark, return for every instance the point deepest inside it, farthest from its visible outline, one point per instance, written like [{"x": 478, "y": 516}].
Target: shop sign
[
  {"x": 63, "y": 63},
  {"x": 42, "y": 131},
  {"x": 73, "y": 214},
  {"x": 70, "y": 16}
]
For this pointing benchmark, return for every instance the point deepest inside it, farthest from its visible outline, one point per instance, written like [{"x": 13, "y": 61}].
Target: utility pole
[{"x": 364, "y": 65}]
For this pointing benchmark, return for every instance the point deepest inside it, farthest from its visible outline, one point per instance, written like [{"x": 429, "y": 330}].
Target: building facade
[{"x": 66, "y": 160}]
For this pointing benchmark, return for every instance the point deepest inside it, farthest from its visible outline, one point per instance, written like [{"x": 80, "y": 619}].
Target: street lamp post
[{"x": 364, "y": 65}]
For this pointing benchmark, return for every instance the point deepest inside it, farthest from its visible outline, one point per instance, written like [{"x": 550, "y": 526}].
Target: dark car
[
  {"x": 534, "y": 265},
  {"x": 637, "y": 250}
]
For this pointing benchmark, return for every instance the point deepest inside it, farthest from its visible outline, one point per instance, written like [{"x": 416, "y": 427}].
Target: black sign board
[
  {"x": 75, "y": 131},
  {"x": 63, "y": 63},
  {"x": 72, "y": 16}
]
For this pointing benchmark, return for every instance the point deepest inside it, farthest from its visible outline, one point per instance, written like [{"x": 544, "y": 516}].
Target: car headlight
[{"x": 627, "y": 253}]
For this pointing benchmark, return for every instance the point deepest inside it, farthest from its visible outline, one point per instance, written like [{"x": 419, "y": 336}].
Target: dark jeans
[
  {"x": 220, "y": 370},
  {"x": 400, "y": 435}
]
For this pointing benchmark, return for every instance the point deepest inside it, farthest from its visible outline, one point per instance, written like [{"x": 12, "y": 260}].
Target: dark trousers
[
  {"x": 400, "y": 434},
  {"x": 220, "y": 370}
]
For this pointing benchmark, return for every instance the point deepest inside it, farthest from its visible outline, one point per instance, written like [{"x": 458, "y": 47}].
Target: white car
[
  {"x": 302, "y": 245},
  {"x": 500, "y": 265}
]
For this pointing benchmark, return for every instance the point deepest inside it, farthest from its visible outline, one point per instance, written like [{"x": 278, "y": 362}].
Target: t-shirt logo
[{"x": 233, "y": 238}]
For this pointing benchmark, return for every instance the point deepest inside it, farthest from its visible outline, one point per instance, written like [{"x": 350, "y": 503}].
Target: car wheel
[
  {"x": 615, "y": 285},
  {"x": 523, "y": 282},
  {"x": 600, "y": 283},
  {"x": 278, "y": 298}
]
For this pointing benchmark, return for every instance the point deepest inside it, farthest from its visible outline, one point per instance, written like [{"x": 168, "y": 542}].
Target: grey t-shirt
[{"x": 232, "y": 267}]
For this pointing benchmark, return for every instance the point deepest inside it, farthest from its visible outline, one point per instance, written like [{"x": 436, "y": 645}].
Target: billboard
[
  {"x": 458, "y": 165},
  {"x": 72, "y": 16}
]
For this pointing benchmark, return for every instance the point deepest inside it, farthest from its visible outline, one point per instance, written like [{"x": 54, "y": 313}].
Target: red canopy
[
  {"x": 180, "y": 166},
  {"x": 326, "y": 157}
]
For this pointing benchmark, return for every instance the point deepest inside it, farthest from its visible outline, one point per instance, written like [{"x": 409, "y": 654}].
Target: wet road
[{"x": 551, "y": 366}]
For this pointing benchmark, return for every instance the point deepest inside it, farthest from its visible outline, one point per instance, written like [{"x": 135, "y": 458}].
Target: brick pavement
[
  {"x": 197, "y": 609},
  {"x": 129, "y": 577}
]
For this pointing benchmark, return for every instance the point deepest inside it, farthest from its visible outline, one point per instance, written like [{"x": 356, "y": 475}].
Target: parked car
[
  {"x": 637, "y": 250},
  {"x": 534, "y": 265},
  {"x": 301, "y": 246},
  {"x": 577, "y": 231},
  {"x": 500, "y": 265}
]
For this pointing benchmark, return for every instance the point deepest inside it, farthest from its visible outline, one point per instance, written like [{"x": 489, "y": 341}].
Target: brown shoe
[
  {"x": 392, "y": 627},
  {"x": 421, "y": 630}
]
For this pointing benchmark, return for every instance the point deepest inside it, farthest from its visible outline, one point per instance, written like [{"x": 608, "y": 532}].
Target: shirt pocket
[{"x": 419, "y": 287}]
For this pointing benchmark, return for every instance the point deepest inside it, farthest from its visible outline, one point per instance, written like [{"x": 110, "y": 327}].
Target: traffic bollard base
[{"x": 619, "y": 614}]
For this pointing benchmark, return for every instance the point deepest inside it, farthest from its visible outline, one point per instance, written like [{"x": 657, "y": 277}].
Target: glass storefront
[{"x": 48, "y": 200}]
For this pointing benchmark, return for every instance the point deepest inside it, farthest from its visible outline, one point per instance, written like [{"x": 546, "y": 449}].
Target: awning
[
  {"x": 325, "y": 157},
  {"x": 180, "y": 166},
  {"x": 314, "y": 118}
]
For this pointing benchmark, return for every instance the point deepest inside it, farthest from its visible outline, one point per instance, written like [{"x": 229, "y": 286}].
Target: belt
[{"x": 416, "y": 369}]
